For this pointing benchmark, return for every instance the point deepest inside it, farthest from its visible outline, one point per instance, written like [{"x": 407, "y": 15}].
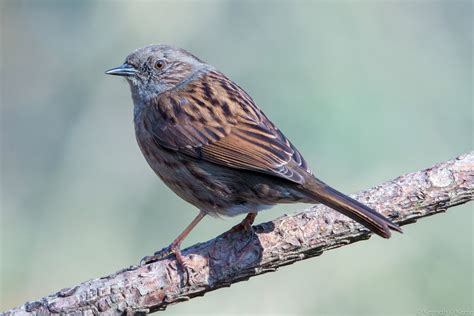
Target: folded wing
[{"x": 213, "y": 119}]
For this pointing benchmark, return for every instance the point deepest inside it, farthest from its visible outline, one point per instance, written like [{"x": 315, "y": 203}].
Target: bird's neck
[
  {"x": 198, "y": 73},
  {"x": 143, "y": 97}
]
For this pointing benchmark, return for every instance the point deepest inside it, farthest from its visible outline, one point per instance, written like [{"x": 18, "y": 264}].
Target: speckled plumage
[
  {"x": 206, "y": 150},
  {"x": 210, "y": 143}
]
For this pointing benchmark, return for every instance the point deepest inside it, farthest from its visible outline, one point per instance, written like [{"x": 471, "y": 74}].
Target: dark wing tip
[
  {"x": 386, "y": 232},
  {"x": 395, "y": 227}
]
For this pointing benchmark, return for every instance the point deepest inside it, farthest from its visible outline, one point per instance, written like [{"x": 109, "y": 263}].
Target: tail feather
[{"x": 357, "y": 211}]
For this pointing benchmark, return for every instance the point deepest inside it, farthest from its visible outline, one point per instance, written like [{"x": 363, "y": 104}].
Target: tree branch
[{"x": 221, "y": 262}]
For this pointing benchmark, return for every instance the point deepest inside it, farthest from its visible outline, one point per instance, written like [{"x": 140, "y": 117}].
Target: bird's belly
[
  {"x": 185, "y": 177},
  {"x": 214, "y": 189}
]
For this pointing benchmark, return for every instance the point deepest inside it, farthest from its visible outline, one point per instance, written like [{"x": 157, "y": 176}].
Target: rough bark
[{"x": 221, "y": 262}]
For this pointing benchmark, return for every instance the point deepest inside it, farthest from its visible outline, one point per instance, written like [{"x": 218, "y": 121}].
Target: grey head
[{"x": 154, "y": 69}]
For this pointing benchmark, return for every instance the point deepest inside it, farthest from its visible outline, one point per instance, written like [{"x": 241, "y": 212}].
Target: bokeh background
[{"x": 367, "y": 90}]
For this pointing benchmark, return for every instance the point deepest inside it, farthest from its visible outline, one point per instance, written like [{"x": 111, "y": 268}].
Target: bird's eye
[{"x": 159, "y": 64}]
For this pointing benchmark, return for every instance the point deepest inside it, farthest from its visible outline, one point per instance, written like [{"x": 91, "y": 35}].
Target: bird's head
[{"x": 154, "y": 69}]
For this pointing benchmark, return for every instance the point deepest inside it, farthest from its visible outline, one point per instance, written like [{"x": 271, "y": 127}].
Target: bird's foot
[
  {"x": 158, "y": 255},
  {"x": 241, "y": 227},
  {"x": 173, "y": 249},
  {"x": 244, "y": 226}
]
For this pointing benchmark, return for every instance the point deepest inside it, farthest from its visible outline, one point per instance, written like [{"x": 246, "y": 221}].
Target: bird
[{"x": 208, "y": 141}]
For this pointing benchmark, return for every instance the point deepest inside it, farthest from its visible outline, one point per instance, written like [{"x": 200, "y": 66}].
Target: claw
[
  {"x": 158, "y": 255},
  {"x": 245, "y": 225},
  {"x": 173, "y": 249},
  {"x": 182, "y": 265}
]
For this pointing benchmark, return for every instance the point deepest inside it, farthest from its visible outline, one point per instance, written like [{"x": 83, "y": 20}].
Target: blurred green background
[{"x": 367, "y": 90}]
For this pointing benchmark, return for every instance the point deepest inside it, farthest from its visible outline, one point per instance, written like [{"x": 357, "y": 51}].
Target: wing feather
[{"x": 213, "y": 119}]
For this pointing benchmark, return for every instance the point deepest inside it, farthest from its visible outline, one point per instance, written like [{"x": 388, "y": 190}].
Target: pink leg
[
  {"x": 174, "y": 247},
  {"x": 244, "y": 225}
]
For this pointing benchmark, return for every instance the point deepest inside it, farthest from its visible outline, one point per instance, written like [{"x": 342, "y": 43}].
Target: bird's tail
[{"x": 359, "y": 212}]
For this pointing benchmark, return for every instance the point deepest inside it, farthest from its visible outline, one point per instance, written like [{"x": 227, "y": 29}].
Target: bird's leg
[
  {"x": 174, "y": 247},
  {"x": 244, "y": 225}
]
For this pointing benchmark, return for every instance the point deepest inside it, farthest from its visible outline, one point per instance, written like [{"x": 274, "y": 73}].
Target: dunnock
[{"x": 212, "y": 145}]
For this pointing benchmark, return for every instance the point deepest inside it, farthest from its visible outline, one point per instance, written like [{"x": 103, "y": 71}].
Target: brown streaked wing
[
  {"x": 214, "y": 119},
  {"x": 180, "y": 123}
]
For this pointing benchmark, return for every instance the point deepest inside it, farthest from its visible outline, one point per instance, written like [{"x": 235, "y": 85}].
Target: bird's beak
[{"x": 122, "y": 70}]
